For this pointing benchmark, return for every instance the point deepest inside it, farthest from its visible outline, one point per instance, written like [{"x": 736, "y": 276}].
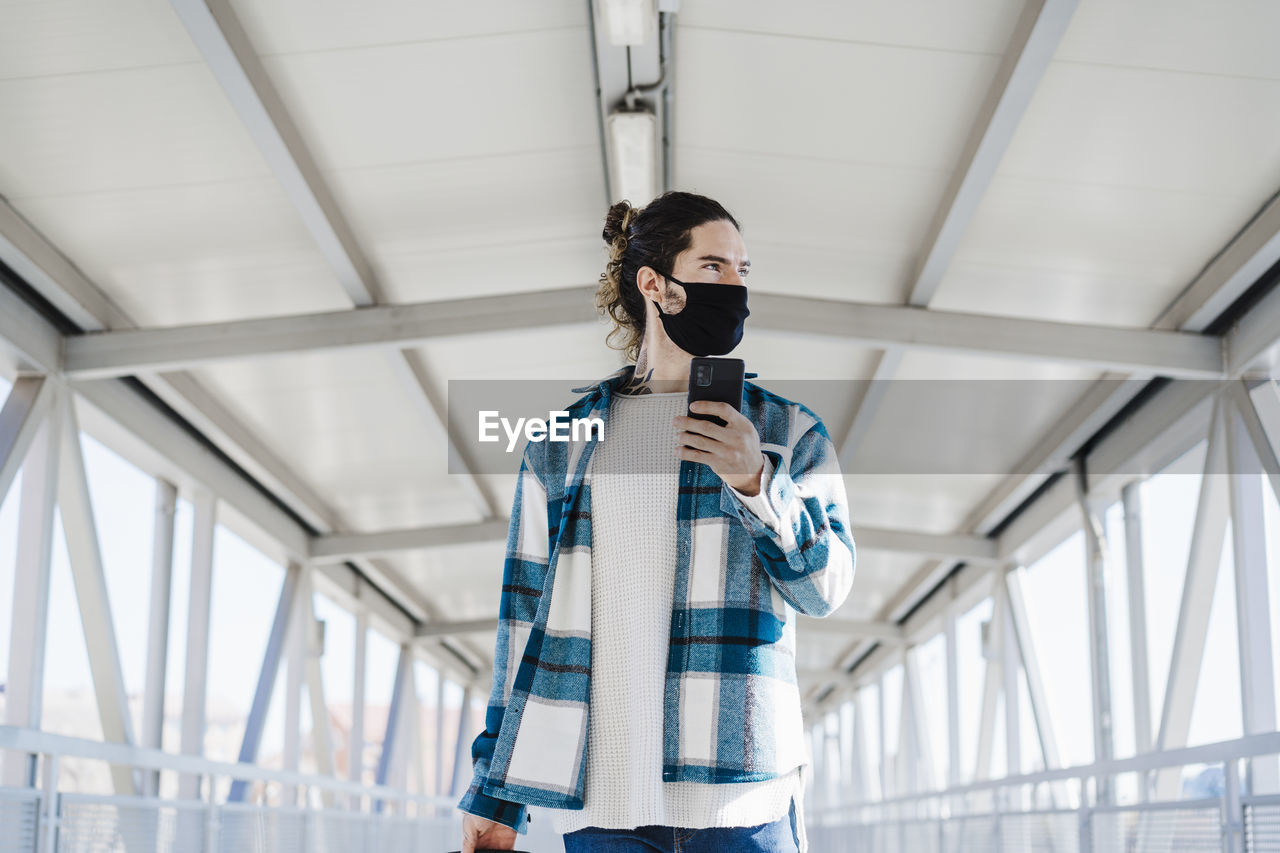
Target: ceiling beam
[
  {"x": 340, "y": 547},
  {"x": 882, "y": 631},
  {"x": 30, "y": 341},
  {"x": 38, "y": 343},
  {"x": 1233, "y": 271},
  {"x": 1142, "y": 351},
  {"x": 213, "y": 26},
  {"x": 1031, "y": 48}
]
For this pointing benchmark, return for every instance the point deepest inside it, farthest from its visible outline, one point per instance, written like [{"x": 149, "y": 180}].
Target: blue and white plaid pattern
[{"x": 732, "y": 703}]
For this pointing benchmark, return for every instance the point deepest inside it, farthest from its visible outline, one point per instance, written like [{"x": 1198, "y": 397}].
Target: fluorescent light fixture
[
  {"x": 628, "y": 22},
  {"x": 633, "y": 144}
]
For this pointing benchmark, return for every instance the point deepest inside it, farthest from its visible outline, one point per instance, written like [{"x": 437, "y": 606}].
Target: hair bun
[{"x": 617, "y": 220}]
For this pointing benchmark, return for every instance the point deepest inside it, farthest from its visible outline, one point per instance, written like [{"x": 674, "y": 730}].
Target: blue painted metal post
[
  {"x": 390, "y": 737},
  {"x": 267, "y": 678}
]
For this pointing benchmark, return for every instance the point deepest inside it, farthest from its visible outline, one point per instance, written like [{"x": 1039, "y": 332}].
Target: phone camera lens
[{"x": 702, "y": 375}]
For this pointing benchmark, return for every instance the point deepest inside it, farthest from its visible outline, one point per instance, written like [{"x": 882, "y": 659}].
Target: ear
[{"x": 650, "y": 283}]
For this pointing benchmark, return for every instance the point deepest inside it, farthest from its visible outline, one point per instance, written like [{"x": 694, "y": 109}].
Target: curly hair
[{"x": 649, "y": 236}]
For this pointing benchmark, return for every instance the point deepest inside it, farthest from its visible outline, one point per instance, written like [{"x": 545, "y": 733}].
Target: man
[{"x": 652, "y": 579}]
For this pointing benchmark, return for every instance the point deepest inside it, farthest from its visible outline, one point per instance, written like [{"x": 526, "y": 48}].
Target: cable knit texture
[{"x": 634, "y": 479}]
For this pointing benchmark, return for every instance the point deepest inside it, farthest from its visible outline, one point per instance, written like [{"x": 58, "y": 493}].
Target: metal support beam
[
  {"x": 1250, "y": 254},
  {"x": 295, "y": 674},
  {"x": 992, "y": 683},
  {"x": 462, "y": 747},
  {"x": 1095, "y": 569},
  {"x": 1031, "y": 48},
  {"x": 394, "y": 713},
  {"x": 333, "y": 548},
  {"x": 1262, "y": 440},
  {"x": 439, "y": 734},
  {"x": 321, "y": 731},
  {"x": 286, "y": 606},
  {"x": 1010, "y": 661},
  {"x": 954, "y": 772},
  {"x": 195, "y": 689},
  {"x": 1141, "y": 351},
  {"x": 355, "y": 758},
  {"x": 1252, "y": 345},
  {"x": 921, "y": 743},
  {"x": 28, "y": 630},
  {"x": 1253, "y": 598},
  {"x": 91, "y": 594},
  {"x": 1020, "y": 625},
  {"x": 158, "y": 627},
  {"x": 1207, "y": 536},
  {"x": 24, "y": 411},
  {"x": 1136, "y": 588},
  {"x": 235, "y": 64},
  {"x": 862, "y": 778},
  {"x": 28, "y": 342}
]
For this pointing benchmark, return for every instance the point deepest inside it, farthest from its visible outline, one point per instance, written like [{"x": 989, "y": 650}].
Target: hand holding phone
[{"x": 718, "y": 379}]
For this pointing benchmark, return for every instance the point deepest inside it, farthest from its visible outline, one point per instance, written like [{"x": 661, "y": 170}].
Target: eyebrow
[{"x": 721, "y": 260}]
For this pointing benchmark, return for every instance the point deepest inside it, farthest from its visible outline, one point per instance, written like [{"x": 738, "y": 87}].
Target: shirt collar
[{"x": 620, "y": 377}]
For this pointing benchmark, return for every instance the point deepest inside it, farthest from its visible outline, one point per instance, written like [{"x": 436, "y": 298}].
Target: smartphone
[{"x": 718, "y": 379}]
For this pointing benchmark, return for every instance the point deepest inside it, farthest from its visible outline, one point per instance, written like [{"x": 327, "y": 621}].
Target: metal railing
[
  {"x": 338, "y": 816},
  {"x": 1058, "y": 811}
]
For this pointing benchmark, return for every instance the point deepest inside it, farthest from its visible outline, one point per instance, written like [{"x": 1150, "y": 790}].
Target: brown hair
[{"x": 649, "y": 236}]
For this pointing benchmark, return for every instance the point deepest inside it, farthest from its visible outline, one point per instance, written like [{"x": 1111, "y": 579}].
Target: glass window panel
[{"x": 1058, "y": 613}]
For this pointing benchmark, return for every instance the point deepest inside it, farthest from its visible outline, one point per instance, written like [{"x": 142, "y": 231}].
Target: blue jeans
[{"x": 778, "y": 837}]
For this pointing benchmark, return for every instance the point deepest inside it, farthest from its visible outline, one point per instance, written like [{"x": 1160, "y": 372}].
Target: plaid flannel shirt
[{"x": 732, "y": 702}]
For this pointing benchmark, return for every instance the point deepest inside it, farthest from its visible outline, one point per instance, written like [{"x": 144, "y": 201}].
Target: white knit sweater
[{"x": 634, "y": 479}]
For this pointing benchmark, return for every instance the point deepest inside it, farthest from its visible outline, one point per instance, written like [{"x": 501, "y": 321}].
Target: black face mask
[{"x": 712, "y": 318}]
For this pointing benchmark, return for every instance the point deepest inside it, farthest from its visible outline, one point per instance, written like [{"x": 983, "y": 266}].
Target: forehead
[{"x": 717, "y": 238}]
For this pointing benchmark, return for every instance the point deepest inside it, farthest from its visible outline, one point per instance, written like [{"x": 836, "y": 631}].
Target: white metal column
[
  {"x": 439, "y": 748},
  {"x": 25, "y": 409},
  {"x": 954, "y": 772},
  {"x": 197, "y": 658},
  {"x": 24, "y": 690},
  {"x": 158, "y": 627},
  {"x": 1253, "y": 599},
  {"x": 1208, "y": 534},
  {"x": 1136, "y": 588},
  {"x": 91, "y": 594},
  {"x": 1095, "y": 568},
  {"x": 356, "y": 751}
]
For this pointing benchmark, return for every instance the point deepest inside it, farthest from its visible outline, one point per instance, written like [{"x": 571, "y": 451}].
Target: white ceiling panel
[
  {"x": 468, "y": 578},
  {"x": 834, "y": 100},
  {"x": 1159, "y": 130},
  {"x": 74, "y": 36},
  {"x": 1204, "y": 36},
  {"x": 412, "y": 102},
  {"x": 352, "y": 431},
  {"x": 199, "y": 253},
  {"x": 480, "y": 225},
  {"x": 575, "y": 353},
  {"x": 877, "y": 577},
  {"x": 1086, "y": 253},
  {"x": 826, "y": 228},
  {"x": 142, "y": 127},
  {"x": 1119, "y": 186},
  {"x": 929, "y": 502},
  {"x": 977, "y": 26},
  {"x": 300, "y": 26}
]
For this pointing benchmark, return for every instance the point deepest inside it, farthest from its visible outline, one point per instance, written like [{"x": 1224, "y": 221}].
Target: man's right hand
[{"x": 478, "y": 833}]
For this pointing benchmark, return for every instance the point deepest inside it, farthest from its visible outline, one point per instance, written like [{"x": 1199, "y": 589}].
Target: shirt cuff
[{"x": 758, "y": 504}]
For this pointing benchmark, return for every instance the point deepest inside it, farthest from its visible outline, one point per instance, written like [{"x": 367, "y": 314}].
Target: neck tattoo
[{"x": 638, "y": 384}]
